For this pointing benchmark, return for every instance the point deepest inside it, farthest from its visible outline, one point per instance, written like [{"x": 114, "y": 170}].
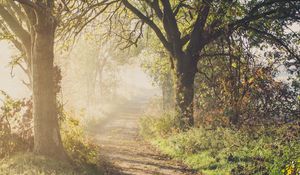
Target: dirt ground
[{"x": 123, "y": 148}]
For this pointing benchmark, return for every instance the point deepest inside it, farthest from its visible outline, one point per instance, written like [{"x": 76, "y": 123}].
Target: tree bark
[
  {"x": 168, "y": 92},
  {"x": 47, "y": 139},
  {"x": 184, "y": 90}
]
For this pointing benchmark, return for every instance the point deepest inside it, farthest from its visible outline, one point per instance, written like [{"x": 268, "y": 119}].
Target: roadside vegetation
[
  {"x": 223, "y": 150},
  {"x": 16, "y": 143},
  {"x": 246, "y": 115},
  {"x": 28, "y": 163}
]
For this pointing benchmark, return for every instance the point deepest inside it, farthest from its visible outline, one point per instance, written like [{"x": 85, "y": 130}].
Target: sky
[{"x": 135, "y": 82}]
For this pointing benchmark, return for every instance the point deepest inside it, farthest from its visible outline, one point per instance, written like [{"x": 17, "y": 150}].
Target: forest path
[{"x": 122, "y": 146}]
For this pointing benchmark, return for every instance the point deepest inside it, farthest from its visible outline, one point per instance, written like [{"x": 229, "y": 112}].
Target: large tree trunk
[
  {"x": 168, "y": 93},
  {"x": 47, "y": 139},
  {"x": 184, "y": 90}
]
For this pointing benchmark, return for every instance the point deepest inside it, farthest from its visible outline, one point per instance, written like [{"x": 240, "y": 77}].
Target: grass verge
[
  {"x": 30, "y": 164},
  {"x": 220, "y": 151}
]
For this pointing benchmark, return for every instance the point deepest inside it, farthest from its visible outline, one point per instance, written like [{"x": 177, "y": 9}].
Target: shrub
[
  {"x": 244, "y": 92},
  {"x": 159, "y": 127},
  {"x": 79, "y": 147},
  {"x": 16, "y": 132}
]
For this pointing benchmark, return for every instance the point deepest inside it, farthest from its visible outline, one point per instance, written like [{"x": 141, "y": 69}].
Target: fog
[
  {"x": 11, "y": 84},
  {"x": 132, "y": 82}
]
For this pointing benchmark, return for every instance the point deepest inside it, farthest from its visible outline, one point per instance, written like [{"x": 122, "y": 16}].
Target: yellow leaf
[{"x": 234, "y": 65}]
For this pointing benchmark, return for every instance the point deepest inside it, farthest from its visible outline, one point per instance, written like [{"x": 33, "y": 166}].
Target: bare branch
[
  {"x": 148, "y": 21},
  {"x": 279, "y": 41}
]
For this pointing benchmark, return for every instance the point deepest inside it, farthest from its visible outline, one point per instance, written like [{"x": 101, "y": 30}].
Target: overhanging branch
[
  {"x": 149, "y": 22},
  {"x": 272, "y": 37}
]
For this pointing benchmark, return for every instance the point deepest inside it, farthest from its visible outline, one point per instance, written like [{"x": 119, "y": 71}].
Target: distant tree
[
  {"x": 185, "y": 28},
  {"x": 94, "y": 70}
]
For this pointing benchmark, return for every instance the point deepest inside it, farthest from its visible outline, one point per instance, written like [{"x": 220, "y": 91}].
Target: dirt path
[{"x": 125, "y": 150}]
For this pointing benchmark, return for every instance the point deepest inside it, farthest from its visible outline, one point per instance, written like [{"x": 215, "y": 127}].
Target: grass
[
  {"x": 30, "y": 164},
  {"x": 221, "y": 151}
]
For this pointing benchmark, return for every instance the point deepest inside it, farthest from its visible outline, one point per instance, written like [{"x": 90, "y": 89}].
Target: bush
[
  {"x": 16, "y": 134},
  {"x": 224, "y": 150},
  {"x": 16, "y": 128},
  {"x": 79, "y": 147},
  {"x": 244, "y": 92},
  {"x": 158, "y": 127}
]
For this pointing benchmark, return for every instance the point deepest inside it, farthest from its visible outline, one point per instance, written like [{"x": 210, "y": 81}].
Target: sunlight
[
  {"x": 145, "y": 87},
  {"x": 12, "y": 85}
]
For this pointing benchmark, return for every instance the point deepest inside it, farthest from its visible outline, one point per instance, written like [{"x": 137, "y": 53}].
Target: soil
[{"x": 126, "y": 152}]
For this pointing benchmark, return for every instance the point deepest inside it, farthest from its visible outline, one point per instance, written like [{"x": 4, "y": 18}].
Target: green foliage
[
  {"x": 223, "y": 150},
  {"x": 16, "y": 132},
  {"x": 155, "y": 62},
  {"x": 82, "y": 151},
  {"x": 157, "y": 66},
  {"x": 158, "y": 127}
]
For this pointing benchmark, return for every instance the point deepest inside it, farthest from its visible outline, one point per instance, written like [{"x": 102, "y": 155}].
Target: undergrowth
[
  {"x": 16, "y": 143},
  {"x": 224, "y": 150},
  {"x": 83, "y": 152}
]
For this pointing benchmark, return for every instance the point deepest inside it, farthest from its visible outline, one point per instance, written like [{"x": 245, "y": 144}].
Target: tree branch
[
  {"x": 15, "y": 26},
  {"x": 197, "y": 35},
  {"x": 185, "y": 39},
  {"x": 28, "y": 3},
  {"x": 238, "y": 23},
  {"x": 271, "y": 37},
  {"x": 148, "y": 21},
  {"x": 170, "y": 23},
  {"x": 155, "y": 6},
  {"x": 252, "y": 16},
  {"x": 20, "y": 13}
]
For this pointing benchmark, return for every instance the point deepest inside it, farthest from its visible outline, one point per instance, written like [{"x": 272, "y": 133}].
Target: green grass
[
  {"x": 30, "y": 164},
  {"x": 221, "y": 151},
  {"x": 184, "y": 147}
]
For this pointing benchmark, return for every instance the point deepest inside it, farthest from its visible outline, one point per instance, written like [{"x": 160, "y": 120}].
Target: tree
[
  {"x": 33, "y": 27},
  {"x": 156, "y": 64},
  {"x": 95, "y": 76},
  {"x": 185, "y": 28},
  {"x": 70, "y": 23},
  {"x": 39, "y": 45}
]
